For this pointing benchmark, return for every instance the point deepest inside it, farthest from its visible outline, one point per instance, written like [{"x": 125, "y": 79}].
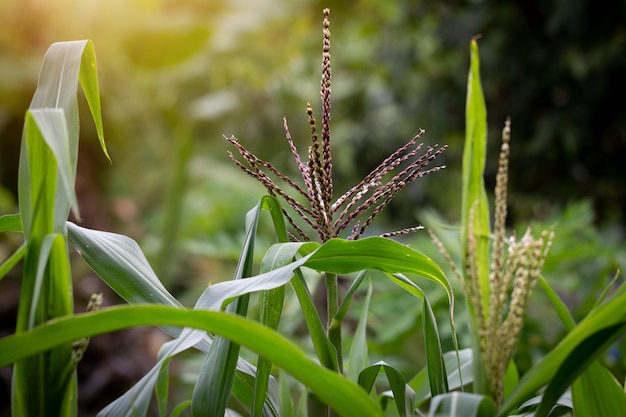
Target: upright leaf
[
  {"x": 474, "y": 200},
  {"x": 45, "y": 384},
  {"x": 474, "y": 196}
]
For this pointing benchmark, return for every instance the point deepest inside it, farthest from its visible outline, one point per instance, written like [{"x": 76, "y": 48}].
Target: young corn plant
[
  {"x": 355, "y": 209},
  {"x": 498, "y": 275},
  {"x": 45, "y": 384}
]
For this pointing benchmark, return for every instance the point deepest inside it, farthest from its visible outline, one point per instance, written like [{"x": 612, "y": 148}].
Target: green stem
[{"x": 334, "y": 328}]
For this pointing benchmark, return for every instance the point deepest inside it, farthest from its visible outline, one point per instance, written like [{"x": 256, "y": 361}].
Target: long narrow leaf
[
  {"x": 8, "y": 264},
  {"x": 136, "y": 400},
  {"x": 461, "y": 404},
  {"x": 597, "y": 393},
  {"x": 346, "y": 256},
  {"x": 610, "y": 313},
  {"x": 11, "y": 223},
  {"x": 52, "y": 127},
  {"x": 474, "y": 195},
  {"x": 357, "y": 357},
  {"x": 342, "y": 395},
  {"x": 434, "y": 355},
  {"x": 576, "y": 362},
  {"x": 474, "y": 198},
  {"x": 270, "y": 304},
  {"x": 214, "y": 386},
  {"x": 119, "y": 261},
  {"x": 403, "y": 394},
  {"x": 421, "y": 384}
]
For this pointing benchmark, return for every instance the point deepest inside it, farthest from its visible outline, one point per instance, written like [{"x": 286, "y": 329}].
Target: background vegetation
[{"x": 176, "y": 75}]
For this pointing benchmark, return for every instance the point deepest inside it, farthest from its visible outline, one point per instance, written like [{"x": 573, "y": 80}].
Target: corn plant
[
  {"x": 498, "y": 275},
  {"x": 50, "y": 339},
  {"x": 334, "y": 379}
]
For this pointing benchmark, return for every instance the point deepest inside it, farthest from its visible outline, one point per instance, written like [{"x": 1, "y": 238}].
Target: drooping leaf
[
  {"x": 346, "y": 256},
  {"x": 403, "y": 394},
  {"x": 527, "y": 409},
  {"x": 342, "y": 395},
  {"x": 136, "y": 400},
  {"x": 119, "y": 261},
  {"x": 121, "y": 264}
]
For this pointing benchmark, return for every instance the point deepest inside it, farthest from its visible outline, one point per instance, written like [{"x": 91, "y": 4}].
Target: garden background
[{"x": 177, "y": 75}]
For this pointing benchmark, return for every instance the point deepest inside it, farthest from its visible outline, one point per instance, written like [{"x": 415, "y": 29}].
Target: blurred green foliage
[{"x": 237, "y": 67}]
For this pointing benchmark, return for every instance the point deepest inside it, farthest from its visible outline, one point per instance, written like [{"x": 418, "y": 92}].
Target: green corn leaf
[
  {"x": 434, "y": 355},
  {"x": 180, "y": 408},
  {"x": 474, "y": 196},
  {"x": 270, "y": 302},
  {"x": 342, "y": 311},
  {"x": 119, "y": 261},
  {"x": 611, "y": 313},
  {"x": 597, "y": 393},
  {"x": 403, "y": 394},
  {"x": 52, "y": 128},
  {"x": 420, "y": 382},
  {"x": 557, "y": 303},
  {"x": 121, "y": 264},
  {"x": 357, "y": 357},
  {"x": 64, "y": 66},
  {"x": 89, "y": 83},
  {"x": 436, "y": 370},
  {"x": 563, "y": 405},
  {"x": 345, "y": 397},
  {"x": 11, "y": 223},
  {"x": 12, "y": 260},
  {"x": 324, "y": 349},
  {"x": 212, "y": 391},
  {"x": 346, "y": 256},
  {"x": 161, "y": 390},
  {"x": 136, "y": 400},
  {"x": 474, "y": 156},
  {"x": 47, "y": 295},
  {"x": 45, "y": 384},
  {"x": 462, "y": 404},
  {"x": 286, "y": 401},
  {"x": 40, "y": 204},
  {"x": 578, "y": 361}
]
